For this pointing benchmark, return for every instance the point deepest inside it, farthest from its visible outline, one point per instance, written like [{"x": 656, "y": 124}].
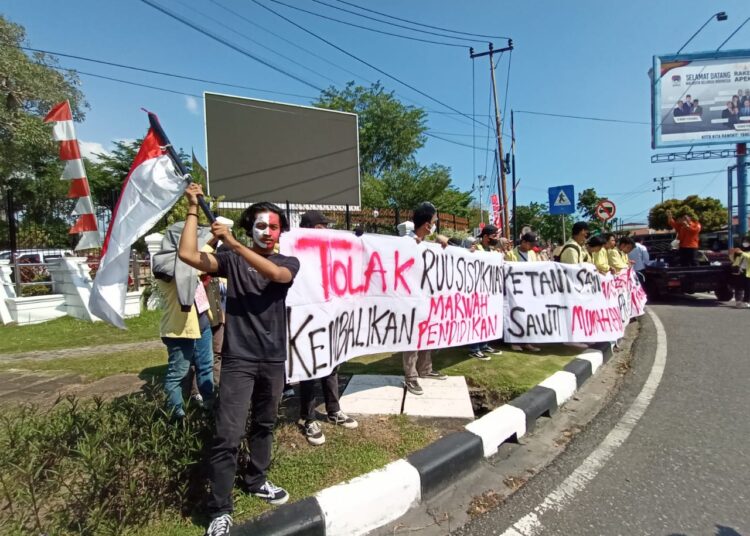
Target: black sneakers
[
  {"x": 271, "y": 494},
  {"x": 219, "y": 526},
  {"x": 413, "y": 387}
]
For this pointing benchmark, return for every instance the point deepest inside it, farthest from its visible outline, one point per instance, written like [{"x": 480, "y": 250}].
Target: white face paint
[{"x": 261, "y": 235}]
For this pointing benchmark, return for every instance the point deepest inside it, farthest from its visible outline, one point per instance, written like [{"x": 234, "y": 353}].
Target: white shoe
[{"x": 219, "y": 526}]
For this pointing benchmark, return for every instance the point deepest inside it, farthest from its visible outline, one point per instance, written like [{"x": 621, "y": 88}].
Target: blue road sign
[{"x": 562, "y": 200}]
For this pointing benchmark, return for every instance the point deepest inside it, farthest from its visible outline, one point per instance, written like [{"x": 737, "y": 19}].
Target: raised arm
[{"x": 188, "y": 248}]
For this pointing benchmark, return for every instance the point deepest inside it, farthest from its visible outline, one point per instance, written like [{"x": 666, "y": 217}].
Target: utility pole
[
  {"x": 513, "y": 173},
  {"x": 661, "y": 187},
  {"x": 481, "y": 179},
  {"x": 498, "y": 126}
]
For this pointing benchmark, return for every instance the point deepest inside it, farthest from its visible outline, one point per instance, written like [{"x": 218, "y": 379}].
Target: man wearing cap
[
  {"x": 312, "y": 219},
  {"x": 524, "y": 252},
  {"x": 488, "y": 240}
]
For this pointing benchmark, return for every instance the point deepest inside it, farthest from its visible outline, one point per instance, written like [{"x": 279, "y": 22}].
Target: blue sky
[{"x": 580, "y": 57}]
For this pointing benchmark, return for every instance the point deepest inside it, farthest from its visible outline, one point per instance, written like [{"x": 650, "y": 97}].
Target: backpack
[{"x": 557, "y": 258}]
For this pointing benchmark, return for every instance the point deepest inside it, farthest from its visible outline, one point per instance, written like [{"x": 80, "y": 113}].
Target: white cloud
[
  {"x": 90, "y": 148},
  {"x": 191, "y": 103}
]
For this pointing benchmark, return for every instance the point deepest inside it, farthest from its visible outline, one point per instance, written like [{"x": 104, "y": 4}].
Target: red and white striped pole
[{"x": 70, "y": 153}]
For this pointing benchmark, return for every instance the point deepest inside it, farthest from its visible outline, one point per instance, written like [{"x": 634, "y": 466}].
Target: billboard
[
  {"x": 268, "y": 151},
  {"x": 700, "y": 99}
]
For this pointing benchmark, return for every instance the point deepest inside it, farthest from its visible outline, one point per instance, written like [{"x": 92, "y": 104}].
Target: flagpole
[{"x": 156, "y": 126}]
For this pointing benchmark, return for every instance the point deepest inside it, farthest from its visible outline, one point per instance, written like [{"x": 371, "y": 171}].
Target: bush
[{"x": 99, "y": 467}]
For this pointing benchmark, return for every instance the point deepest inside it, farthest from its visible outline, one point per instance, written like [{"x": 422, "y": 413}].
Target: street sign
[
  {"x": 605, "y": 210},
  {"x": 561, "y": 200}
]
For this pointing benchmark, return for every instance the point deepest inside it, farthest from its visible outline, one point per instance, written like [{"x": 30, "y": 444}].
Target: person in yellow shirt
[
  {"x": 597, "y": 247},
  {"x": 524, "y": 252},
  {"x": 741, "y": 258},
  {"x": 488, "y": 239},
  {"x": 573, "y": 251},
  {"x": 618, "y": 257}
]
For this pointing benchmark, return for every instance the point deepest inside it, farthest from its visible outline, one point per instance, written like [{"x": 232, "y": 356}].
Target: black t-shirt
[{"x": 255, "y": 322}]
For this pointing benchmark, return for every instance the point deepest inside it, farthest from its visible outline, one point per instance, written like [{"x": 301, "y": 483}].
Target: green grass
[
  {"x": 147, "y": 363},
  {"x": 68, "y": 332},
  {"x": 504, "y": 377},
  {"x": 304, "y": 470}
]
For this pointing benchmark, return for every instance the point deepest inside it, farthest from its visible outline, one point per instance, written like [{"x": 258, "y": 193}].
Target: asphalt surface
[{"x": 685, "y": 467}]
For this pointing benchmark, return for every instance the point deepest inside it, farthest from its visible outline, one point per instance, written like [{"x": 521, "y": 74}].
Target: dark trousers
[
  {"x": 747, "y": 289},
  {"x": 330, "y": 385},
  {"x": 688, "y": 257},
  {"x": 245, "y": 385}
]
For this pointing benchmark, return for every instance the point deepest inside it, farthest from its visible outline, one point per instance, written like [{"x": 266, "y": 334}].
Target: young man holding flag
[{"x": 254, "y": 351}]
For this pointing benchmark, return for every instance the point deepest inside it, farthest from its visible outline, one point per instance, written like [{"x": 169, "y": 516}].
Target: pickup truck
[{"x": 664, "y": 276}]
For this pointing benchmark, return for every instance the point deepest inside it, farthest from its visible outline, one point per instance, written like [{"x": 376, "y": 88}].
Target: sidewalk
[{"x": 22, "y": 386}]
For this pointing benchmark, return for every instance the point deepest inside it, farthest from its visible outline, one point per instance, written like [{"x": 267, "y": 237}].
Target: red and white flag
[
  {"x": 64, "y": 131},
  {"x": 150, "y": 189}
]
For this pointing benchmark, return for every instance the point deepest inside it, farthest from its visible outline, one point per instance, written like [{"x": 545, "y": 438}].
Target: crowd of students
[{"x": 224, "y": 303}]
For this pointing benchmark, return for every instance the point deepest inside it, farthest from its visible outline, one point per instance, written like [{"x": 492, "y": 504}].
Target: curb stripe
[
  {"x": 582, "y": 370},
  {"x": 370, "y": 501},
  {"x": 536, "y": 402},
  {"x": 446, "y": 460},
  {"x": 563, "y": 383}
]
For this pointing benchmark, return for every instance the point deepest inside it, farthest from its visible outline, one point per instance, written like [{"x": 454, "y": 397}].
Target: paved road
[{"x": 685, "y": 467}]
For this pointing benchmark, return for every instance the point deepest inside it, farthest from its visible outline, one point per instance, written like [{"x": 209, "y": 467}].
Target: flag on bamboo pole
[
  {"x": 151, "y": 188},
  {"x": 63, "y": 131}
]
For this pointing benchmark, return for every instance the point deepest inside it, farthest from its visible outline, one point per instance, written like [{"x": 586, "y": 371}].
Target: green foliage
[
  {"x": 389, "y": 131},
  {"x": 29, "y": 87},
  {"x": 707, "y": 210},
  {"x": 98, "y": 468},
  {"x": 548, "y": 227}
]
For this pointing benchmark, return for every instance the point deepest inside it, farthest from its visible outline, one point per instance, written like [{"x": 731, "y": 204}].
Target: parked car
[{"x": 36, "y": 256}]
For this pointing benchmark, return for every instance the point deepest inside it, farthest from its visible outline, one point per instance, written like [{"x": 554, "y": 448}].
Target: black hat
[
  {"x": 311, "y": 218},
  {"x": 529, "y": 237},
  {"x": 489, "y": 230}
]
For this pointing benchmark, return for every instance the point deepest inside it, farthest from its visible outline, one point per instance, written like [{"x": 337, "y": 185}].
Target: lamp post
[{"x": 720, "y": 16}]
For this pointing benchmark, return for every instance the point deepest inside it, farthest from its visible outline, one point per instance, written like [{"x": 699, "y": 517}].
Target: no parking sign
[{"x": 605, "y": 210}]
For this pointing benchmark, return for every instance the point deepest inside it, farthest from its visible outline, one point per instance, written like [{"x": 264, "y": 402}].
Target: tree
[
  {"x": 547, "y": 226},
  {"x": 29, "y": 87},
  {"x": 389, "y": 131},
  {"x": 708, "y": 210}
]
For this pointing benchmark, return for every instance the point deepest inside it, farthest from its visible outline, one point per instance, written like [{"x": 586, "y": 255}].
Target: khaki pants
[{"x": 417, "y": 364}]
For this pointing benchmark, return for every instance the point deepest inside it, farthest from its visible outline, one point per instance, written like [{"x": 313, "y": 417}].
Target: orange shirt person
[{"x": 687, "y": 230}]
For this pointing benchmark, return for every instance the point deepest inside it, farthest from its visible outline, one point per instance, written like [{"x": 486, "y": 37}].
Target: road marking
[{"x": 530, "y": 524}]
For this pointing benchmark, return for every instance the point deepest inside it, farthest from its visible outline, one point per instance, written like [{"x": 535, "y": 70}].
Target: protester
[
  {"x": 254, "y": 351},
  {"x": 418, "y": 364},
  {"x": 524, "y": 252},
  {"x": 313, "y": 219},
  {"x": 185, "y": 327},
  {"x": 688, "y": 230},
  {"x": 625, "y": 245},
  {"x": 639, "y": 256},
  {"x": 741, "y": 274},
  {"x": 573, "y": 251},
  {"x": 597, "y": 247},
  {"x": 488, "y": 240},
  {"x": 618, "y": 256}
]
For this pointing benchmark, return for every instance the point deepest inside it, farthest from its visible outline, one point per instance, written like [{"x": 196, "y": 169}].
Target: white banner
[
  {"x": 553, "y": 302},
  {"x": 365, "y": 295}
]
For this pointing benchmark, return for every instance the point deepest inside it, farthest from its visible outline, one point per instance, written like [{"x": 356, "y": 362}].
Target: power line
[
  {"x": 322, "y": 58},
  {"x": 229, "y": 44},
  {"x": 584, "y": 117},
  {"x": 130, "y": 83},
  {"x": 430, "y": 134},
  {"x": 370, "y": 65},
  {"x": 326, "y": 17},
  {"x": 420, "y": 23},
  {"x": 160, "y": 73},
  {"x": 394, "y": 24},
  {"x": 258, "y": 43}
]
